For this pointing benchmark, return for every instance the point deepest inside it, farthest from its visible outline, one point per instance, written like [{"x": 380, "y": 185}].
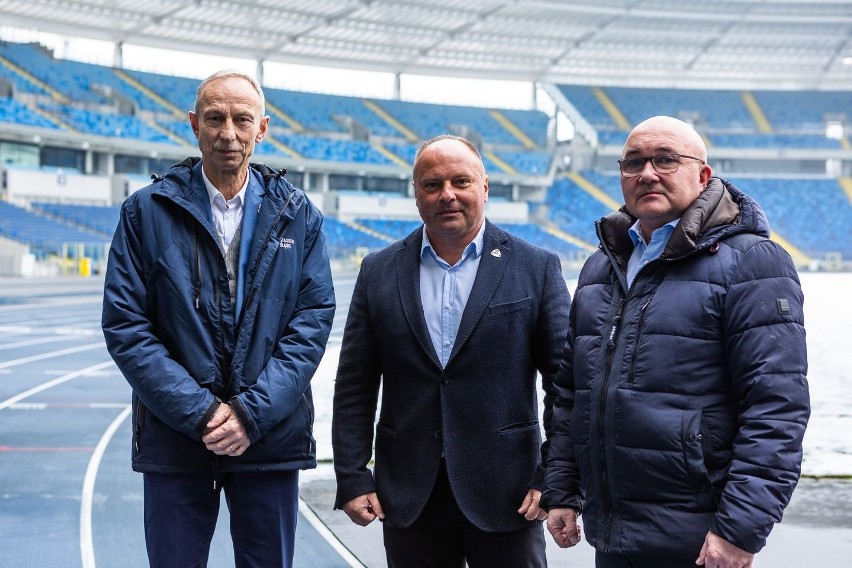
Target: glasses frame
[{"x": 654, "y": 164}]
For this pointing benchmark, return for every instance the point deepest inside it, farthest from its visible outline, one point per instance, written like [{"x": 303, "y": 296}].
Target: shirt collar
[
  {"x": 212, "y": 192},
  {"x": 635, "y": 231},
  {"x": 474, "y": 248}
]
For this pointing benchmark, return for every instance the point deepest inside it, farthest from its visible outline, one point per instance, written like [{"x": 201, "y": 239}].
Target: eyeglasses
[{"x": 662, "y": 163}]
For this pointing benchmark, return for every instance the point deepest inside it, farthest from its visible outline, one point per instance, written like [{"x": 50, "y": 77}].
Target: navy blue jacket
[
  {"x": 171, "y": 329},
  {"x": 481, "y": 410},
  {"x": 683, "y": 402}
]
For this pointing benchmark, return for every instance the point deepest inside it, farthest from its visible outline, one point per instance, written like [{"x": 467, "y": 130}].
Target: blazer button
[{"x": 437, "y": 434}]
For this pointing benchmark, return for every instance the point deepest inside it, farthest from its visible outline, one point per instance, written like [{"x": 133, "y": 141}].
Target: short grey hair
[
  {"x": 227, "y": 73},
  {"x": 426, "y": 143}
]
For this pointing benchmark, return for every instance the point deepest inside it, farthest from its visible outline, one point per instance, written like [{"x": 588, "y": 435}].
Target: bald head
[{"x": 677, "y": 134}]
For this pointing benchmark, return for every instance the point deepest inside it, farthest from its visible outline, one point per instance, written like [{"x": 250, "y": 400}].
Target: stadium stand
[{"x": 812, "y": 213}]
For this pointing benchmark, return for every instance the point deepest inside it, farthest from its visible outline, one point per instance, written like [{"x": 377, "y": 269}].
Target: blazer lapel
[
  {"x": 495, "y": 256},
  {"x": 408, "y": 283}
]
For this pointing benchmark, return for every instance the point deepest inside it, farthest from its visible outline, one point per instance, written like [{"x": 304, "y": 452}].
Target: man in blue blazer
[{"x": 452, "y": 322}]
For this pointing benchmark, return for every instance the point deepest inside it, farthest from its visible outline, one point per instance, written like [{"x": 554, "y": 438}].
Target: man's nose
[
  {"x": 648, "y": 171},
  {"x": 447, "y": 191}
]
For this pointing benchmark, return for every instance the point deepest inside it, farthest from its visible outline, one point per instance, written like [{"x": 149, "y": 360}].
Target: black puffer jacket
[{"x": 682, "y": 403}]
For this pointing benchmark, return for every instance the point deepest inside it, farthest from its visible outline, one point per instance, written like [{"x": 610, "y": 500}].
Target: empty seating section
[
  {"x": 96, "y": 218},
  {"x": 334, "y": 150},
  {"x": 813, "y": 214},
  {"x": 44, "y": 235},
  {"x": 610, "y": 184},
  {"x": 427, "y": 120},
  {"x": 787, "y": 110},
  {"x": 532, "y": 123},
  {"x": 343, "y": 239},
  {"x": 538, "y": 236},
  {"x": 177, "y": 91},
  {"x": 533, "y": 163},
  {"x": 317, "y": 112},
  {"x": 772, "y": 141},
  {"x": 587, "y": 104},
  {"x": 18, "y": 113},
  {"x": 104, "y": 124},
  {"x": 573, "y": 210},
  {"x": 718, "y": 109},
  {"x": 394, "y": 228}
]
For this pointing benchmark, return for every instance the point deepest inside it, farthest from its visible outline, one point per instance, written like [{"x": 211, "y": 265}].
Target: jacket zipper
[
  {"x": 197, "y": 291},
  {"x": 610, "y": 345},
  {"x": 137, "y": 432}
]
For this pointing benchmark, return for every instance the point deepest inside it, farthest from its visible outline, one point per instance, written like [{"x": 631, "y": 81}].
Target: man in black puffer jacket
[{"x": 683, "y": 399}]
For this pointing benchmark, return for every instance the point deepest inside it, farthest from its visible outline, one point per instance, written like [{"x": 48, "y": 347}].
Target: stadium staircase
[
  {"x": 846, "y": 184},
  {"x": 617, "y": 117},
  {"x": 593, "y": 190},
  {"x": 57, "y": 96},
  {"x": 500, "y": 163},
  {"x": 390, "y": 155},
  {"x": 409, "y": 135},
  {"x": 365, "y": 229},
  {"x": 514, "y": 130},
  {"x": 757, "y": 114},
  {"x": 560, "y": 234}
]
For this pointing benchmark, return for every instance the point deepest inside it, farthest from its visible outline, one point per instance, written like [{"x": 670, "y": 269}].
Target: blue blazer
[{"x": 481, "y": 411}]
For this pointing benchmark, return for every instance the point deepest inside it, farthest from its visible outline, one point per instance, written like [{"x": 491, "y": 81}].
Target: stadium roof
[{"x": 804, "y": 44}]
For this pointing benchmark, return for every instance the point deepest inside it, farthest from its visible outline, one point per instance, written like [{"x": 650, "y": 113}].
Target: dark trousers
[
  {"x": 443, "y": 538},
  {"x": 181, "y": 512},
  {"x": 604, "y": 560}
]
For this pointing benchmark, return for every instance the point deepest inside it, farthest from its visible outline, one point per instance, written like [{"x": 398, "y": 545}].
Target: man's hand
[
  {"x": 224, "y": 434},
  {"x": 364, "y": 509},
  {"x": 719, "y": 553},
  {"x": 562, "y": 524},
  {"x": 530, "y": 508}
]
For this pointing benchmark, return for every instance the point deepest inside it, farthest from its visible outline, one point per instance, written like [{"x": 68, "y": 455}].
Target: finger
[
  {"x": 376, "y": 506},
  {"x": 528, "y": 501}
]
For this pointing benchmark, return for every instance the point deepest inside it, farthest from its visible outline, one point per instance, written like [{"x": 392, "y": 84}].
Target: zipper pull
[
  {"x": 197, "y": 294},
  {"x": 610, "y": 342}
]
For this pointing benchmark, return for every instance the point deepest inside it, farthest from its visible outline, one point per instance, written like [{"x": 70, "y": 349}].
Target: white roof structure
[{"x": 748, "y": 44}]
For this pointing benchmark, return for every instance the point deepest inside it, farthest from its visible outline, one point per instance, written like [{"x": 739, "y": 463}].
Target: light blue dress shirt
[
  {"x": 643, "y": 252},
  {"x": 444, "y": 291}
]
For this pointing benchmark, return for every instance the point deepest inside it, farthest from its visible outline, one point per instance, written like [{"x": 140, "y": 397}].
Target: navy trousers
[{"x": 181, "y": 512}]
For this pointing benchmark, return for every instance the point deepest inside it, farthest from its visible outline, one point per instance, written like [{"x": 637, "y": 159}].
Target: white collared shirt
[{"x": 226, "y": 214}]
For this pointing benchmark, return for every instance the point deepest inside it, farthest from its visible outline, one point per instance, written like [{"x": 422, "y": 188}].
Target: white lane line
[
  {"x": 49, "y": 384},
  {"x": 27, "y": 342},
  {"x": 87, "y": 548},
  {"x": 324, "y": 532},
  {"x": 50, "y": 354}
]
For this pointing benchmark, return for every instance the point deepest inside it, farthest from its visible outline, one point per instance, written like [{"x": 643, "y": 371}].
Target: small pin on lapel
[{"x": 495, "y": 253}]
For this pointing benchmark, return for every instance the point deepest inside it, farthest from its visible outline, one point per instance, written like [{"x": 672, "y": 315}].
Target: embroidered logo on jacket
[{"x": 285, "y": 243}]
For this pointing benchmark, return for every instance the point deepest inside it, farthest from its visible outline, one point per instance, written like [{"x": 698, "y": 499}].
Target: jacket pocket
[
  {"x": 694, "y": 441},
  {"x": 509, "y": 307}
]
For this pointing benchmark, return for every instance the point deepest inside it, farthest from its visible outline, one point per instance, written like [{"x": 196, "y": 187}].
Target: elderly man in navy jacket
[
  {"x": 681, "y": 409},
  {"x": 218, "y": 303},
  {"x": 452, "y": 322}
]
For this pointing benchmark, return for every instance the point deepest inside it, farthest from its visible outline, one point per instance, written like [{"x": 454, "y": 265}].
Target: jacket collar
[{"x": 720, "y": 211}]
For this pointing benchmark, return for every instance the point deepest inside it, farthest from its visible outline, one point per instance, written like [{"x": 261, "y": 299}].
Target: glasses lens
[
  {"x": 665, "y": 163},
  {"x": 632, "y": 166}
]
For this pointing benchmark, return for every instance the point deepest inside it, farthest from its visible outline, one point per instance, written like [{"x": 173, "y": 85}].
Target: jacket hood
[{"x": 722, "y": 210}]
